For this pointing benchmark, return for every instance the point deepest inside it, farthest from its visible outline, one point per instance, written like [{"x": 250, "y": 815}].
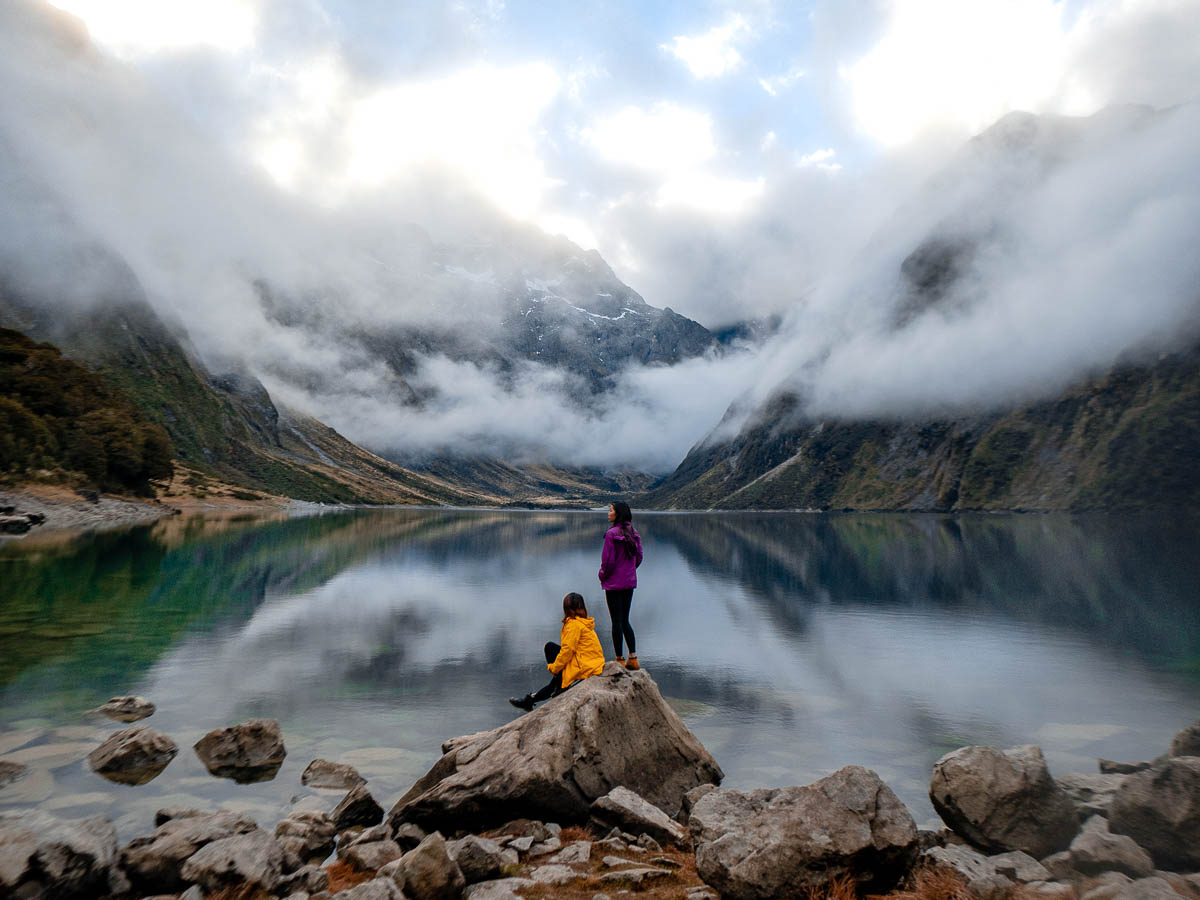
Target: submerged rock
[
  {"x": 11, "y": 771},
  {"x": 126, "y": 709},
  {"x": 249, "y": 752},
  {"x": 1003, "y": 800},
  {"x": 43, "y": 856},
  {"x": 133, "y": 755},
  {"x": 554, "y": 762},
  {"x": 321, "y": 773},
  {"x": 773, "y": 843}
]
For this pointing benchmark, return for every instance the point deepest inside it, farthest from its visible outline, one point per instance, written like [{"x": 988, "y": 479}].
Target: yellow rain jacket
[{"x": 580, "y": 656}]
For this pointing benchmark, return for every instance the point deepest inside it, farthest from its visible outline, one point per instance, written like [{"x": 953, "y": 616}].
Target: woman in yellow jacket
[{"x": 579, "y": 656}]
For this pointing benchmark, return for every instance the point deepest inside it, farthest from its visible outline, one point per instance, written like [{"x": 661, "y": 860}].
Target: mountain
[{"x": 1124, "y": 435}]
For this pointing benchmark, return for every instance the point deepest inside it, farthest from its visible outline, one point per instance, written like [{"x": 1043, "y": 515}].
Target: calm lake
[{"x": 791, "y": 644}]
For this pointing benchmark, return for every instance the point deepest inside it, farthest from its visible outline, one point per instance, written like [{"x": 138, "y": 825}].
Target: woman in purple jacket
[{"x": 618, "y": 576}]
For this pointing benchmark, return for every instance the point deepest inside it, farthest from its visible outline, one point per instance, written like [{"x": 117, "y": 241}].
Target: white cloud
[
  {"x": 710, "y": 194},
  {"x": 665, "y": 138},
  {"x": 820, "y": 159},
  {"x": 144, "y": 27},
  {"x": 774, "y": 85},
  {"x": 710, "y": 55}
]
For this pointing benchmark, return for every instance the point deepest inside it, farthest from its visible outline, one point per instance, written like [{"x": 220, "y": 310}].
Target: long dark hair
[
  {"x": 624, "y": 513},
  {"x": 624, "y": 521},
  {"x": 573, "y": 605}
]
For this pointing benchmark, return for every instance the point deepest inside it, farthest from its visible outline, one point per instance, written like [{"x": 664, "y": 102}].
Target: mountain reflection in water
[{"x": 792, "y": 644}]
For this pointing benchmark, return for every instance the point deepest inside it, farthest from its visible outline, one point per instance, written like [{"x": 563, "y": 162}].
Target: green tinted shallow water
[{"x": 791, "y": 644}]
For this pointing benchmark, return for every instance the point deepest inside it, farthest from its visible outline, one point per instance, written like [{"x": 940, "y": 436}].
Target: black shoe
[{"x": 525, "y": 703}]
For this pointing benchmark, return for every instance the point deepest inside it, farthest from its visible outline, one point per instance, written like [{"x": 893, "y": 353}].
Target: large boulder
[
  {"x": 43, "y": 856},
  {"x": 358, "y": 807},
  {"x": 308, "y": 835},
  {"x": 622, "y": 808},
  {"x": 133, "y": 755},
  {"x": 1096, "y": 850},
  {"x": 780, "y": 842},
  {"x": 613, "y": 729},
  {"x": 1003, "y": 800},
  {"x": 1160, "y": 810},
  {"x": 254, "y": 858},
  {"x": 249, "y": 752},
  {"x": 153, "y": 862},
  {"x": 1187, "y": 742},
  {"x": 1091, "y": 794}
]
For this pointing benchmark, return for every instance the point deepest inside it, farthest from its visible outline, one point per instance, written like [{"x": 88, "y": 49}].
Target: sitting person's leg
[{"x": 545, "y": 693}]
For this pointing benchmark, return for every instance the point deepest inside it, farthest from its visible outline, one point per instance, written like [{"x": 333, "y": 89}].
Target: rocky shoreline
[
  {"x": 47, "y": 508},
  {"x": 562, "y": 802}
]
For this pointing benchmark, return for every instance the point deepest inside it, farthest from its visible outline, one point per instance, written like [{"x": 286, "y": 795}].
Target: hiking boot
[
  {"x": 621, "y": 660},
  {"x": 632, "y": 664},
  {"x": 525, "y": 703}
]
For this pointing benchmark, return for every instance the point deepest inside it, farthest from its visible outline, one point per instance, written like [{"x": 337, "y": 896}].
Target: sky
[{"x": 728, "y": 159}]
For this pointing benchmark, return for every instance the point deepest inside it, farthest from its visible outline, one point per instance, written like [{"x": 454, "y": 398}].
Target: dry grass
[
  {"x": 843, "y": 887},
  {"x": 241, "y": 892},
  {"x": 343, "y": 876},
  {"x": 929, "y": 883}
]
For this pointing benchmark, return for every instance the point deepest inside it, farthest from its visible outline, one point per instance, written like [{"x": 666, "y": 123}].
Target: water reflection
[{"x": 791, "y": 644}]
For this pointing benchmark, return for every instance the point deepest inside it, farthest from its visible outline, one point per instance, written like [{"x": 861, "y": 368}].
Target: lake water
[{"x": 791, "y": 644}]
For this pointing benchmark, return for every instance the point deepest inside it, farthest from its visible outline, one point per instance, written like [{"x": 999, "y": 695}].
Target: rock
[
  {"x": 983, "y": 881},
  {"x": 1109, "y": 767},
  {"x": 634, "y": 877},
  {"x": 554, "y": 762},
  {"x": 379, "y": 832},
  {"x": 41, "y": 855},
  {"x": 409, "y": 835},
  {"x": 310, "y": 835},
  {"x": 371, "y": 855},
  {"x": 510, "y": 857},
  {"x": 622, "y": 808},
  {"x": 428, "y": 873},
  {"x": 126, "y": 709},
  {"x": 1187, "y": 742},
  {"x": 358, "y": 807},
  {"x": 321, "y": 773},
  {"x": 649, "y": 844},
  {"x": 166, "y": 814},
  {"x": 1146, "y": 889},
  {"x": 11, "y": 771},
  {"x": 498, "y": 889},
  {"x": 1160, "y": 810},
  {"x": 666, "y": 862},
  {"x": 769, "y": 843},
  {"x": 610, "y": 845},
  {"x": 479, "y": 859},
  {"x": 691, "y": 798},
  {"x": 250, "y": 752},
  {"x": 153, "y": 862},
  {"x": 309, "y": 879},
  {"x": 1091, "y": 794},
  {"x": 1003, "y": 800},
  {"x": 1019, "y": 866},
  {"x": 1106, "y": 886},
  {"x": 699, "y": 892},
  {"x": 531, "y": 828},
  {"x": 521, "y": 844},
  {"x": 133, "y": 755},
  {"x": 192, "y": 893},
  {"x": 375, "y": 889},
  {"x": 1049, "y": 890},
  {"x": 550, "y": 846},
  {"x": 14, "y": 524},
  {"x": 253, "y": 857},
  {"x": 611, "y": 861},
  {"x": 554, "y": 875},
  {"x": 1094, "y": 852},
  {"x": 577, "y": 852},
  {"x": 1059, "y": 866}
]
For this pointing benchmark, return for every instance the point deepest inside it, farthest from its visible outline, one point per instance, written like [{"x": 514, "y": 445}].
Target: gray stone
[
  {"x": 310, "y": 835},
  {"x": 981, "y": 877},
  {"x": 133, "y": 755},
  {"x": 250, "y": 752},
  {"x": 610, "y": 845},
  {"x": 408, "y": 835},
  {"x": 1091, "y": 794},
  {"x": 691, "y": 798},
  {"x": 612, "y": 861},
  {"x": 551, "y": 846},
  {"x": 1002, "y": 800},
  {"x": 251, "y": 858},
  {"x": 375, "y": 889},
  {"x": 428, "y": 873},
  {"x": 310, "y": 879},
  {"x": 1050, "y": 890},
  {"x": 521, "y": 844},
  {"x": 370, "y": 856},
  {"x": 649, "y": 844},
  {"x": 192, "y": 893},
  {"x": 634, "y": 877},
  {"x": 576, "y": 852},
  {"x": 321, "y": 773},
  {"x": 479, "y": 859},
  {"x": 358, "y": 807},
  {"x": 153, "y": 862},
  {"x": 699, "y": 892},
  {"x": 554, "y": 762},
  {"x": 622, "y": 808},
  {"x": 1187, "y": 742},
  {"x": 1160, "y": 810},
  {"x": 41, "y": 855},
  {"x": 510, "y": 857},
  {"x": 498, "y": 889},
  {"x": 1059, "y": 866},
  {"x": 1147, "y": 889},
  {"x": 665, "y": 862},
  {"x": 1106, "y": 886},
  {"x": 126, "y": 709},
  {"x": 1094, "y": 851},
  {"x": 1019, "y": 867},
  {"x": 774, "y": 842},
  {"x": 167, "y": 813},
  {"x": 380, "y": 832},
  {"x": 1111, "y": 767},
  {"x": 554, "y": 875}
]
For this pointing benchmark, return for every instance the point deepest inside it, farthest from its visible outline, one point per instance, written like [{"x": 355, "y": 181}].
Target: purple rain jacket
[{"x": 621, "y": 557}]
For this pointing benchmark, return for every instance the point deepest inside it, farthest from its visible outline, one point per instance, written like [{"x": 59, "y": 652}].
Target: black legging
[
  {"x": 618, "y": 610},
  {"x": 555, "y": 686}
]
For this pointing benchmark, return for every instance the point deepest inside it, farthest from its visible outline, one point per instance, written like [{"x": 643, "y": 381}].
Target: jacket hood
[{"x": 585, "y": 622}]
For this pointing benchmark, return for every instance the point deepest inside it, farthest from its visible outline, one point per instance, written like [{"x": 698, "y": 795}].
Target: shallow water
[{"x": 791, "y": 644}]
